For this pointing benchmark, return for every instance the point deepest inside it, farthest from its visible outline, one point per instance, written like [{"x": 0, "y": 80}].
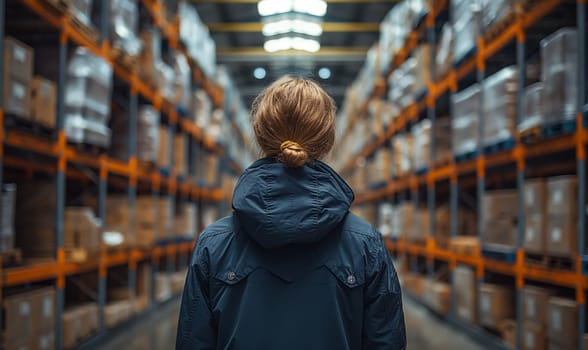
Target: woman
[{"x": 291, "y": 268}]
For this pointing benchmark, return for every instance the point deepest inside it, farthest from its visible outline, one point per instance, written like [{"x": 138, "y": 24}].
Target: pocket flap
[{"x": 347, "y": 275}]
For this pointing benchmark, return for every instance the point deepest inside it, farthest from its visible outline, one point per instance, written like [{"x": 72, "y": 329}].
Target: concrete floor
[{"x": 158, "y": 331}]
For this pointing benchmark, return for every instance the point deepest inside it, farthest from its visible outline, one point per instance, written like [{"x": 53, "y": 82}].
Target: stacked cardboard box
[
  {"x": 535, "y": 304},
  {"x": 406, "y": 212},
  {"x": 496, "y": 304},
  {"x": 81, "y": 233},
  {"x": 165, "y": 215},
  {"x": 422, "y": 144},
  {"x": 177, "y": 280},
  {"x": 562, "y": 323},
  {"x": 508, "y": 332},
  {"x": 32, "y": 320},
  {"x": 562, "y": 217},
  {"x": 414, "y": 283},
  {"x": 464, "y": 287},
  {"x": 163, "y": 290},
  {"x": 118, "y": 218},
  {"x": 117, "y": 312},
  {"x": 500, "y": 105},
  {"x": 442, "y": 135},
  {"x": 437, "y": 295},
  {"x": 402, "y": 148},
  {"x": 164, "y": 155},
  {"x": 420, "y": 226},
  {"x": 43, "y": 102},
  {"x": 466, "y": 224},
  {"x": 35, "y": 218},
  {"x": 535, "y": 215},
  {"x": 185, "y": 220},
  {"x": 7, "y": 212},
  {"x": 499, "y": 226},
  {"x": 180, "y": 154},
  {"x": 143, "y": 288},
  {"x": 18, "y": 74},
  {"x": 146, "y": 221},
  {"x": 79, "y": 322},
  {"x": 212, "y": 170}
]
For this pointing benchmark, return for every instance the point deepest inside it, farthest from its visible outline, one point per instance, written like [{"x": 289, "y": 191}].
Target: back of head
[{"x": 294, "y": 121}]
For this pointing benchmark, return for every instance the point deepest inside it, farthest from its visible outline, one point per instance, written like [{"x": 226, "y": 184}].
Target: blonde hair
[{"x": 294, "y": 121}]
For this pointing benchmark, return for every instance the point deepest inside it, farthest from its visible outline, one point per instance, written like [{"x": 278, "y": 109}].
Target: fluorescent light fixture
[
  {"x": 299, "y": 26},
  {"x": 292, "y": 43},
  {"x": 324, "y": 73},
  {"x": 259, "y": 73},
  {"x": 274, "y": 7}
]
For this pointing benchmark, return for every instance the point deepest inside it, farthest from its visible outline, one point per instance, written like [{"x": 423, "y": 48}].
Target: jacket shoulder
[
  {"x": 356, "y": 226},
  {"x": 221, "y": 227}
]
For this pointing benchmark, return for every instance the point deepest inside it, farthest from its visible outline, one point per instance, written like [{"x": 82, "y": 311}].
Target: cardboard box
[
  {"x": 437, "y": 295},
  {"x": 19, "y": 344},
  {"x": 180, "y": 159},
  {"x": 562, "y": 196},
  {"x": 496, "y": 304},
  {"x": 163, "y": 290},
  {"x": 163, "y": 158},
  {"x": 17, "y": 97},
  {"x": 18, "y": 309},
  {"x": 535, "y": 196},
  {"x": 500, "y": 217},
  {"x": 535, "y": 233},
  {"x": 508, "y": 332},
  {"x": 44, "y": 340},
  {"x": 562, "y": 235},
  {"x": 43, "y": 310},
  {"x": 585, "y": 342},
  {"x": 117, "y": 312},
  {"x": 533, "y": 337},
  {"x": 535, "y": 301},
  {"x": 18, "y": 60},
  {"x": 43, "y": 102},
  {"x": 562, "y": 321},
  {"x": 71, "y": 327},
  {"x": 464, "y": 287},
  {"x": 81, "y": 229}
]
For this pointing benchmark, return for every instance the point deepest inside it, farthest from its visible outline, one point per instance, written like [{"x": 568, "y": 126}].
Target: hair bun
[{"x": 293, "y": 154}]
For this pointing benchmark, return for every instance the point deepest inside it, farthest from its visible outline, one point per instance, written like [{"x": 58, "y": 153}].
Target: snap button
[
  {"x": 231, "y": 276},
  {"x": 351, "y": 279}
]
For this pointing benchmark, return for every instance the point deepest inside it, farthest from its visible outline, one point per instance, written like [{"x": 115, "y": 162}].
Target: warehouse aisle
[{"x": 424, "y": 332}]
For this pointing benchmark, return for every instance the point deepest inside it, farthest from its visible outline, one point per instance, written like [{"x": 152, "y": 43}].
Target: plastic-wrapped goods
[
  {"x": 493, "y": 11},
  {"x": 464, "y": 120},
  {"x": 7, "y": 212},
  {"x": 394, "y": 31},
  {"x": 406, "y": 211},
  {"x": 182, "y": 81},
  {"x": 465, "y": 20},
  {"x": 215, "y": 127},
  {"x": 444, "y": 56},
  {"x": 420, "y": 226},
  {"x": 164, "y": 79},
  {"x": 201, "y": 109},
  {"x": 421, "y": 133},
  {"x": 385, "y": 219},
  {"x": 402, "y": 84},
  {"x": 124, "y": 22},
  {"x": 87, "y": 98},
  {"x": 378, "y": 167},
  {"x": 442, "y": 135},
  {"x": 417, "y": 10},
  {"x": 533, "y": 107},
  {"x": 559, "y": 63},
  {"x": 195, "y": 35},
  {"x": 402, "y": 148},
  {"x": 185, "y": 221},
  {"x": 500, "y": 105},
  {"x": 82, "y": 10},
  {"x": 148, "y": 134}
]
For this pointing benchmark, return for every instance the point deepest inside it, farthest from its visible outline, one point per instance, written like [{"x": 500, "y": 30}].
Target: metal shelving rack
[
  {"x": 575, "y": 279},
  {"x": 68, "y": 158}
]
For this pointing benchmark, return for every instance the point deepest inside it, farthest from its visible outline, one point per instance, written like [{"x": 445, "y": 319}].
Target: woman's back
[{"x": 291, "y": 268}]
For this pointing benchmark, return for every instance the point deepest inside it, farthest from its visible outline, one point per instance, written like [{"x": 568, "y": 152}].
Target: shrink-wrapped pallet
[
  {"x": 464, "y": 120},
  {"x": 500, "y": 105}
]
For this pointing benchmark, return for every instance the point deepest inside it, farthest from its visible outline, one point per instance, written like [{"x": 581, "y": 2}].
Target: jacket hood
[{"x": 277, "y": 206}]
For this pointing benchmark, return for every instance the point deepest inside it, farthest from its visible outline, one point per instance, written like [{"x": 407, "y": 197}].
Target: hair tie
[{"x": 290, "y": 144}]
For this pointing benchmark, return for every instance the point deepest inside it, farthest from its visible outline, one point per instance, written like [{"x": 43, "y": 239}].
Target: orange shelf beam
[{"x": 33, "y": 273}]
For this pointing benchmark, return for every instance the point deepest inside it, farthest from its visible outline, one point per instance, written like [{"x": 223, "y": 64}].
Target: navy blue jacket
[{"x": 291, "y": 269}]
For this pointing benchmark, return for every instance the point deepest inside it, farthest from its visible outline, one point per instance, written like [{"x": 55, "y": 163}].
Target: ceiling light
[
  {"x": 259, "y": 73},
  {"x": 274, "y": 7},
  {"x": 324, "y": 73},
  {"x": 292, "y": 43},
  {"x": 292, "y": 26}
]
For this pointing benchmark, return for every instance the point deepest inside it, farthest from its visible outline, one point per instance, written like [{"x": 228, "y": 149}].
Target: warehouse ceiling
[{"x": 349, "y": 29}]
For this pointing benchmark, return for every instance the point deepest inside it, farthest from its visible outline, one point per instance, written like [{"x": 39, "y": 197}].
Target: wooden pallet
[
  {"x": 551, "y": 262},
  {"x": 466, "y": 245},
  {"x": 12, "y": 257},
  {"x": 88, "y": 148}
]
